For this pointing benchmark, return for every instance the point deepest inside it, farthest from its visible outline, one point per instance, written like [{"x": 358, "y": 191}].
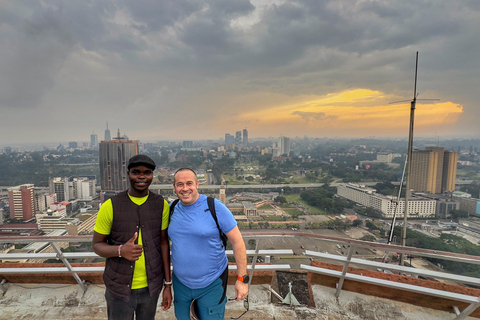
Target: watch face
[{"x": 246, "y": 278}]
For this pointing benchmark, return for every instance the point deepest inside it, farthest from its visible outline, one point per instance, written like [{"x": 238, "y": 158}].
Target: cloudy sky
[{"x": 193, "y": 69}]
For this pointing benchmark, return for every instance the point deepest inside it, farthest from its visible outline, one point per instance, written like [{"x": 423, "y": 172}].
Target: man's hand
[
  {"x": 241, "y": 290},
  {"x": 130, "y": 250},
  {"x": 167, "y": 298}
]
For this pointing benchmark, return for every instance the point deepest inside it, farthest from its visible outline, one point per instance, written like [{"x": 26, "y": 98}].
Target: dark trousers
[{"x": 140, "y": 304}]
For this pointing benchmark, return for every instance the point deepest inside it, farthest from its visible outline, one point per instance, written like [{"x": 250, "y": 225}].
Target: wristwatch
[{"x": 243, "y": 279}]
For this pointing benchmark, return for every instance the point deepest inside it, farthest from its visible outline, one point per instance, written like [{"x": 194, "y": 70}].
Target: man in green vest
[{"x": 130, "y": 231}]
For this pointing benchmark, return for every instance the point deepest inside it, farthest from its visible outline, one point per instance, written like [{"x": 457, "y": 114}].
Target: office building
[
  {"x": 433, "y": 170},
  {"x": 281, "y": 147},
  {"x": 83, "y": 188},
  {"x": 418, "y": 207},
  {"x": 108, "y": 137},
  {"x": 385, "y": 157},
  {"x": 187, "y": 144},
  {"x": 238, "y": 138},
  {"x": 21, "y": 199},
  {"x": 93, "y": 141},
  {"x": 60, "y": 186},
  {"x": 245, "y": 138},
  {"x": 229, "y": 139},
  {"x": 43, "y": 201},
  {"x": 72, "y": 145},
  {"x": 114, "y": 156}
]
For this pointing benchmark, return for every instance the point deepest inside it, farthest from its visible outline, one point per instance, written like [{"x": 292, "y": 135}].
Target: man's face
[
  {"x": 186, "y": 187},
  {"x": 140, "y": 179}
]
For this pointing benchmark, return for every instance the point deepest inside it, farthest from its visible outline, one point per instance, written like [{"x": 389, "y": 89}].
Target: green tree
[{"x": 281, "y": 199}]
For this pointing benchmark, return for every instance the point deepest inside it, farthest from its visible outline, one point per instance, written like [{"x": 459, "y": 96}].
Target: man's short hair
[
  {"x": 185, "y": 169},
  {"x": 141, "y": 160}
]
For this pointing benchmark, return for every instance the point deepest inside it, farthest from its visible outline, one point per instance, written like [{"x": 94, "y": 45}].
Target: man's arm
[
  {"x": 165, "y": 251},
  {"x": 129, "y": 250},
  {"x": 240, "y": 253}
]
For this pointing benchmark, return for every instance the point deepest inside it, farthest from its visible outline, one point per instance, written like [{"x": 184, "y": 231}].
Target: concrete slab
[{"x": 60, "y": 302}]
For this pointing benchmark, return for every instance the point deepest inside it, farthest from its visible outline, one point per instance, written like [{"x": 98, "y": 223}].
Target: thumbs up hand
[{"x": 130, "y": 250}]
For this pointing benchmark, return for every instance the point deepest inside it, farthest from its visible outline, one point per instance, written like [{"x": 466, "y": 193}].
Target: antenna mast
[{"x": 409, "y": 161}]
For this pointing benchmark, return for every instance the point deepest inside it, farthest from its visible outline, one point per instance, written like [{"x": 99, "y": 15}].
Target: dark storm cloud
[{"x": 114, "y": 57}]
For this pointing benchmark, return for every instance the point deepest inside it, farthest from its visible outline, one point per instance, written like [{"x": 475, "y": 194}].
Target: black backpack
[{"x": 211, "y": 208}]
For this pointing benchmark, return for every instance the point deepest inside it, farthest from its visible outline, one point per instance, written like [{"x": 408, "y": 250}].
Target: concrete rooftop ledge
[{"x": 67, "y": 301}]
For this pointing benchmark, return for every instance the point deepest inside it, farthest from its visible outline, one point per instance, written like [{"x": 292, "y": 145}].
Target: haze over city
[{"x": 196, "y": 70}]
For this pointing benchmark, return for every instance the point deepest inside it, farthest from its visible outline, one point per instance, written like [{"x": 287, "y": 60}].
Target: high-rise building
[
  {"x": 238, "y": 138},
  {"x": 72, "y": 144},
  {"x": 21, "y": 199},
  {"x": 229, "y": 139},
  {"x": 188, "y": 144},
  {"x": 44, "y": 201},
  {"x": 245, "y": 137},
  {"x": 59, "y": 186},
  {"x": 114, "y": 156},
  {"x": 281, "y": 147},
  {"x": 449, "y": 175},
  {"x": 107, "y": 134},
  {"x": 93, "y": 141},
  {"x": 433, "y": 170},
  {"x": 83, "y": 188}
]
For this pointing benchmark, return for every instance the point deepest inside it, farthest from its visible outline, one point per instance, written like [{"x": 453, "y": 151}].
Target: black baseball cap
[{"x": 141, "y": 159}]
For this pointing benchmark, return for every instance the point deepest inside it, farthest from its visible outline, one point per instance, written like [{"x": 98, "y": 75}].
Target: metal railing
[
  {"x": 345, "y": 261},
  {"x": 64, "y": 257}
]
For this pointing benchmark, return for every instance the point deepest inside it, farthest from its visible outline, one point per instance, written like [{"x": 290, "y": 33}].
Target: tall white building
[
  {"x": 281, "y": 147},
  {"x": 83, "y": 188},
  {"x": 45, "y": 200}
]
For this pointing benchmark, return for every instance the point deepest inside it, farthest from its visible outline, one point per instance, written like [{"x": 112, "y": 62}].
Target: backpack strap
[
  {"x": 172, "y": 207},
  {"x": 211, "y": 208}
]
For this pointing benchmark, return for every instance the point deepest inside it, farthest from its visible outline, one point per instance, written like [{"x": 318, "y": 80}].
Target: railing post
[
  {"x": 254, "y": 262},
  {"x": 467, "y": 311},
  {"x": 344, "y": 272},
  {"x": 68, "y": 265},
  {"x": 2, "y": 287}
]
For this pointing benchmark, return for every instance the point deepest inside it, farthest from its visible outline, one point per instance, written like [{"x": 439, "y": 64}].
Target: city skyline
[{"x": 178, "y": 70}]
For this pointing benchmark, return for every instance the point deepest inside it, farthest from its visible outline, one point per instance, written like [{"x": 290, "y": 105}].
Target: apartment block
[
  {"x": 433, "y": 170},
  {"x": 22, "y": 202}
]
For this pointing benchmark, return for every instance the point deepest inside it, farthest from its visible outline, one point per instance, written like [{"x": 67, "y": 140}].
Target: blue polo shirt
[{"x": 198, "y": 257}]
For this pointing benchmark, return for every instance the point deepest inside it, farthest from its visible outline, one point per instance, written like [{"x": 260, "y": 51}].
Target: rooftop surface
[
  {"x": 314, "y": 272},
  {"x": 67, "y": 301}
]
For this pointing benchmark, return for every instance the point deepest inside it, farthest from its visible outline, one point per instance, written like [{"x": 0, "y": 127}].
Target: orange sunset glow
[{"x": 359, "y": 111}]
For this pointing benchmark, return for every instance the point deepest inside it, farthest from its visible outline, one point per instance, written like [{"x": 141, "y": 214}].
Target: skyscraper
[
  {"x": 107, "y": 134},
  {"x": 433, "y": 170},
  {"x": 245, "y": 138},
  {"x": 114, "y": 156},
  {"x": 238, "y": 138},
  {"x": 93, "y": 141},
  {"x": 229, "y": 139},
  {"x": 21, "y": 200},
  {"x": 282, "y": 147}
]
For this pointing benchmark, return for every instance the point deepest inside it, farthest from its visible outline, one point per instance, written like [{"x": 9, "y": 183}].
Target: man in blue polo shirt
[{"x": 198, "y": 257}]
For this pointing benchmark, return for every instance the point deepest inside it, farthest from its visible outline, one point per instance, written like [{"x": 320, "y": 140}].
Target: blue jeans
[
  {"x": 211, "y": 300},
  {"x": 140, "y": 304}
]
